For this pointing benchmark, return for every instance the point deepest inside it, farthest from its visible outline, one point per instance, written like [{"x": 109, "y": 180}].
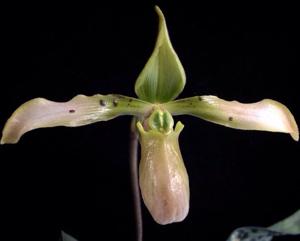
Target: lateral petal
[
  {"x": 81, "y": 110},
  {"x": 265, "y": 115}
]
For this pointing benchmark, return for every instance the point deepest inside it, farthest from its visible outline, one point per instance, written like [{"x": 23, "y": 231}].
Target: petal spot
[{"x": 102, "y": 102}]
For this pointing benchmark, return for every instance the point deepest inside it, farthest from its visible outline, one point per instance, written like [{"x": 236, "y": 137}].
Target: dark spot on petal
[
  {"x": 199, "y": 98},
  {"x": 129, "y": 101},
  {"x": 115, "y": 103},
  {"x": 102, "y": 103},
  {"x": 230, "y": 118},
  {"x": 71, "y": 111}
]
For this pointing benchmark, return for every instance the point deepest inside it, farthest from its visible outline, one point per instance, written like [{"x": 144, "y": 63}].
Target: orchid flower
[{"x": 163, "y": 178}]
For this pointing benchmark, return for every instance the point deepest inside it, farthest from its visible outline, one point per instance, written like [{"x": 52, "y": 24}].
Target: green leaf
[
  {"x": 289, "y": 225},
  {"x": 79, "y": 111},
  {"x": 163, "y": 77},
  {"x": 252, "y": 233},
  {"x": 265, "y": 115},
  {"x": 67, "y": 237}
]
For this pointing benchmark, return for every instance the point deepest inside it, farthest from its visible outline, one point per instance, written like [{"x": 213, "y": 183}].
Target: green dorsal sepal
[{"x": 163, "y": 77}]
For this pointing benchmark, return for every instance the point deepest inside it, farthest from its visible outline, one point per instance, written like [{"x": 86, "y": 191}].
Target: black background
[{"x": 77, "y": 179}]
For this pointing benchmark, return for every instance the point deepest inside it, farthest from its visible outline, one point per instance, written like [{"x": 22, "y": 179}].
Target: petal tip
[
  {"x": 295, "y": 131},
  {"x": 4, "y": 141},
  {"x": 295, "y": 135},
  {"x": 293, "y": 127},
  {"x": 8, "y": 137}
]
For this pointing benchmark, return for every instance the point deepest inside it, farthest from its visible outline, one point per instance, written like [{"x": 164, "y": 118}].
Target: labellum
[{"x": 163, "y": 177}]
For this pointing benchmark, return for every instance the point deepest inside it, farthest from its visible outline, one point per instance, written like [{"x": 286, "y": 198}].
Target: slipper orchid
[{"x": 162, "y": 175}]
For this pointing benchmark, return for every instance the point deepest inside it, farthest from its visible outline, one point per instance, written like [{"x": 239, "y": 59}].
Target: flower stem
[{"x": 134, "y": 180}]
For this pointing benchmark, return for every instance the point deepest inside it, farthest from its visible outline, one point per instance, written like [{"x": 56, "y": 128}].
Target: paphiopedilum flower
[{"x": 163, "y": 177}]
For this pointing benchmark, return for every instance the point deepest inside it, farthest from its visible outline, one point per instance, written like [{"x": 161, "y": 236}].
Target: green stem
[{"x": 134, "y": 180}]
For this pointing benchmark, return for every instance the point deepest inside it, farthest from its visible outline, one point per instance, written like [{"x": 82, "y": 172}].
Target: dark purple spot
[
  {"x": 71, "y": 111},
  {"x": 102, "y": 102},
  {"x": 199, "y": 98},
  {"x": 230, "y": 118}
]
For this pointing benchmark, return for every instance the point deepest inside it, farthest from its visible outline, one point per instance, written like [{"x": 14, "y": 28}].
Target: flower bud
[{"x": 163, "y": 178}]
